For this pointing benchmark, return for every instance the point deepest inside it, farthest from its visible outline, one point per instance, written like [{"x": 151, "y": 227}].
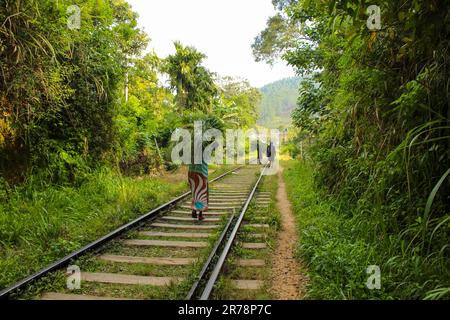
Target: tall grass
[
  {"x": 40, "y": 223},
  {"x": 339, "y": 242}
]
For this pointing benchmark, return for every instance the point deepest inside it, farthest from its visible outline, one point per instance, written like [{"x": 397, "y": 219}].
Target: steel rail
[
  {"x": 5, "y": 293},
  {"x": 230, "y": 241},
  {"x": 209, "y": 262}
]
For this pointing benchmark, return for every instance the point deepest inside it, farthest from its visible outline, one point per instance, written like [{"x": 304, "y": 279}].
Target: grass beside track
[{"x": 338, "y": 247}]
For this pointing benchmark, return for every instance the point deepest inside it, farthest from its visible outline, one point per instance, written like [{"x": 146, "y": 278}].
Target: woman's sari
[{"x": 198, "y": 181}]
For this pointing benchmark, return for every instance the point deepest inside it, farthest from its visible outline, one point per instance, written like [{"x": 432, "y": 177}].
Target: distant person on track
[
  {"x": 271, "y": 153},
  {"x": 258, "y": 151}
]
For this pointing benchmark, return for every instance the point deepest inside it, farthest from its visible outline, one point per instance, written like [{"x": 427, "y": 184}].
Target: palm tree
[{"x": 192, "y": 82}]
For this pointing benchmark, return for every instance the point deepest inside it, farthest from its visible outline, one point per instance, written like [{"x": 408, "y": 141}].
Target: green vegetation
[
  {"x": 375, "y": 118},
  {"x": 338, "y": 245},
  {"x": 40, "y": 223},
  {"x": 85, "y": 124},
  {"x": 84, "y": 98},
  {"x": 279, "y": 99}
]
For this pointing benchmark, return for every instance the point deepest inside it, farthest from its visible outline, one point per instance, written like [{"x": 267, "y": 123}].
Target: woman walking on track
[
  {"x": 198, "y": 182},
  {"x": 198, "y": 176}
]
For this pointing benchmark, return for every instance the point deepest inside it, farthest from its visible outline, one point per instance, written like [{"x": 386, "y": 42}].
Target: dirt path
[{"x": 288, "y": 282}]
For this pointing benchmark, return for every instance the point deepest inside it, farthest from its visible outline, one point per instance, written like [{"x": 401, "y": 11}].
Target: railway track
[{"x": 165, "y": 254}]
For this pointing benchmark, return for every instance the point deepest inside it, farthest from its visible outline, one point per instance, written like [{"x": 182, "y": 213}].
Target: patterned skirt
[{"x": 199, "y": 189}]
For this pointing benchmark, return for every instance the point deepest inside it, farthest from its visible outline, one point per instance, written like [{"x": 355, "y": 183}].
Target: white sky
[{"x": 222, "y": 29}]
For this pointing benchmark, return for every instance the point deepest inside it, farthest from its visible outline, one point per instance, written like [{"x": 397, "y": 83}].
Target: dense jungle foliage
[
  {"x": 84, "y": 114},
  {"x": 375, "y": 113},
  {"x": 63, "y": 103}
]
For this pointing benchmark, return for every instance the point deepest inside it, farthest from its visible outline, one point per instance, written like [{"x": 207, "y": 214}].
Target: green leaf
[{"x": 432, "y": 196}]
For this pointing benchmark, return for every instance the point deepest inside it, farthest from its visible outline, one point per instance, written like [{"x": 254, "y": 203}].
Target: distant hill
[{"x": 278, "y": 101}]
